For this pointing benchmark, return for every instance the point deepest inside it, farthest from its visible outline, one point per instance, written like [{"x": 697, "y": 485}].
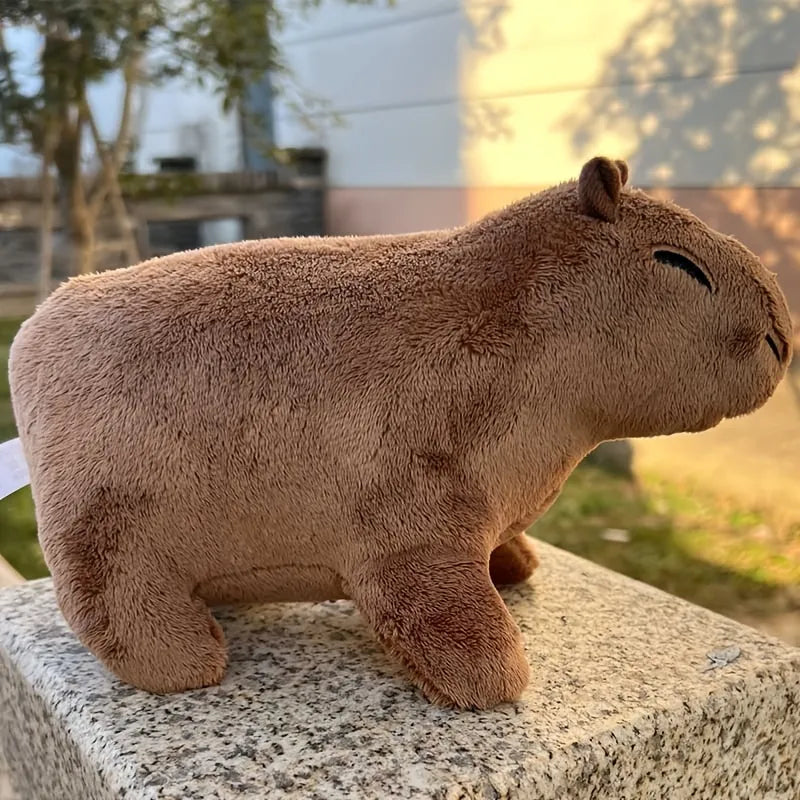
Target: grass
[
  {"x": 18, "y": 544},
  {"x": 8, "y": 329},
  {"x": 738, "y": 561}
]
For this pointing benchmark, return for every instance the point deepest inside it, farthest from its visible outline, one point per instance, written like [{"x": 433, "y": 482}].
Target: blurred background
[{"x": 132, "y": 129}]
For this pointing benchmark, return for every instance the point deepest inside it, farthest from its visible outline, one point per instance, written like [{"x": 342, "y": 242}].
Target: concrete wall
[
  {"x": 282, "y": 202},
  {"x": 451, "y": 107}
]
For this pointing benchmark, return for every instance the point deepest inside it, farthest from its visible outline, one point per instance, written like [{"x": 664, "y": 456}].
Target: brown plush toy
[{"x": 374, "y": 418}]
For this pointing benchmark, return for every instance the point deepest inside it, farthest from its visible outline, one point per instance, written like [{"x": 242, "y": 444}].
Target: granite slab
[{"x": 624, "y": 702}]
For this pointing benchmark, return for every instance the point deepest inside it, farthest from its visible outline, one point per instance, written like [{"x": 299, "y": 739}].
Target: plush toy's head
[{"x": 675, "y": 325}]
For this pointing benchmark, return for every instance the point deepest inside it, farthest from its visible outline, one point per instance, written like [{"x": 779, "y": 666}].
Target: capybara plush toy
[{"x": 374, "y": 418}]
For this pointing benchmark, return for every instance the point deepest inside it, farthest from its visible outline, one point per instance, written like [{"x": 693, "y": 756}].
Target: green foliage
[
  {"x": 168, "y": 186},
  {"x": 225, "y": 44},
  {"x": 81, "y": 43}
]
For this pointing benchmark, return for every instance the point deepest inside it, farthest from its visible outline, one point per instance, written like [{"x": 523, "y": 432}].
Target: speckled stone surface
[
  {"x": 621, "y": 705},
  {"x": 8, "y": 577}
]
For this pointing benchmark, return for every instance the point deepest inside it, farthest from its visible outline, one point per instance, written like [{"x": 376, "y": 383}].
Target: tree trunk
[
  {"x": 71, "y": 193},
  {"x": 84, "y": 247},
  {"x": 81, "y": 229},
  {"x": 78, "y": 225},
  {"x": 111, "y": 158},
  {"x": 124, "y": 222},
  {"x": 46, "y": 226}
]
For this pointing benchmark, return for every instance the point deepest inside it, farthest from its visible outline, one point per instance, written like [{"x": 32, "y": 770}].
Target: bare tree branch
[
  {"x": 132, "y": 73},
  {"x": 111, "y": 160}
]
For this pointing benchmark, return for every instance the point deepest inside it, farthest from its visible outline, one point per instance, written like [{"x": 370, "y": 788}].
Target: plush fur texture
[{"x": 377, "y": 418}]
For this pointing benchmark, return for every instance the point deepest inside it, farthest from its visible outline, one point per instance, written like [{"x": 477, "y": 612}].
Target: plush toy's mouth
[{"x": 774, "y": 347}]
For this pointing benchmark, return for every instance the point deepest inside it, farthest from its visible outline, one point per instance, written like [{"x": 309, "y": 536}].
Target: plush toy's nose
[
  {"x": 780, "y": 331},
  {"x": 779, "y": 345}
]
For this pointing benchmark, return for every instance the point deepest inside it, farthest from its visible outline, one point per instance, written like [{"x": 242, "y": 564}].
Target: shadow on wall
[
  {"x": 711, "y": 90},
  {"x": 482, "y": 33},
  {"x": 441, "y": 201}
]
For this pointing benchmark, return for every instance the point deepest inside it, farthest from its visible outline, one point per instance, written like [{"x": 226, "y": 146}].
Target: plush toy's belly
[{"x": 287, "y": 583}]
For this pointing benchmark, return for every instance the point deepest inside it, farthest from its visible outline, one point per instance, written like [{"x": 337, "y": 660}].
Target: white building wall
[
  {"x": 391, "y": 75},
  {"x": 518, "y": 93},
  {"x": 180, "y": 120}
]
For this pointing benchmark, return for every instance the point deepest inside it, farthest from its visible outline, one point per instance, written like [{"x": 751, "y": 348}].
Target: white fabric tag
[{"x": 13, "y": 468}]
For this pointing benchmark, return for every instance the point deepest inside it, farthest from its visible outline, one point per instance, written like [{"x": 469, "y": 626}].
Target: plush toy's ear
[{"x": 599, "y": 187}]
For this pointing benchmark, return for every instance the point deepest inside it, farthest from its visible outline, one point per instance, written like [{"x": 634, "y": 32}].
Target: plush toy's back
[{"x": 377, "y": 418}]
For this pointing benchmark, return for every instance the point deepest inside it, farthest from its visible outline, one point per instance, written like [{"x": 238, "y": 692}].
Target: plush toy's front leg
[
  {"x": 443, "y": 619},
  {"x": 513, "y": 562}
]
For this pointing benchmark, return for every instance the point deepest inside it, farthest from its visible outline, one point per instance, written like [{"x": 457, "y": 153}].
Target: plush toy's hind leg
[
  {"x": 122, "y": 599},
  {"x": 146, "y": 631},
  {"x": 513, "y": 562},
  {"x": 443, "y": 619}
]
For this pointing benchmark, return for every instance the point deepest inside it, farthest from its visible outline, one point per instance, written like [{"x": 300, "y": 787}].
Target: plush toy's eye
[{"x": 673, "y": 259}]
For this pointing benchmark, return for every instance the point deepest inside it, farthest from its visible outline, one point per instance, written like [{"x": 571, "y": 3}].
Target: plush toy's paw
[
  {"x": 482, "y": 683},
  {"x": 513, "y": 562},
  {"x": 193, "y": 661},
  {"x": 444, "y": 621}
]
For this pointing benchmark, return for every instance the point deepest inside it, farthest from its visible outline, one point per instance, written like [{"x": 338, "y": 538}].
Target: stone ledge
[
  {"x": 8, "y": 575},
  {"x": 621, "y": 705}
]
